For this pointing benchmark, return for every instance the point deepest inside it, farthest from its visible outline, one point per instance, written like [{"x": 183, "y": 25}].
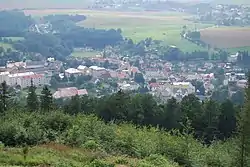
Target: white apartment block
[
  {"x": 3, "y": 76},
  {"x": 24, "y": 79}
]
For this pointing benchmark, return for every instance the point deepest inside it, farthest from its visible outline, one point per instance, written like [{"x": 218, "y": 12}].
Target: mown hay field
[{"x": 227, "y": 37}]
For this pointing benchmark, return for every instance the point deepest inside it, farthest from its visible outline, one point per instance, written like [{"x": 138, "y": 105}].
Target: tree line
[{"x": 211, "y": 120}]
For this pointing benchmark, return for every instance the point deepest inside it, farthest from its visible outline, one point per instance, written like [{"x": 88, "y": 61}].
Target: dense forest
[{"x": 14, "y": 23}]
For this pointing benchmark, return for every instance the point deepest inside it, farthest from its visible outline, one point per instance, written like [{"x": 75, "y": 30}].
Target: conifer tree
[
  {"x": 46, "y": 99},
  {"x": 244, "y": 130},
  {"x": 4, "y": 96},
  {"x": 32, "y": 100}
]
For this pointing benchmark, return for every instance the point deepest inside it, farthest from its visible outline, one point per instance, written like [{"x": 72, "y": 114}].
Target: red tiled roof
[
  {"x": 35, "y": 76},
  {"x": 154, "y": 85},
  {"x": 69, "y": 92},
  {"x": 134, "y": 69},
  {"x": 82, "y": 92},
  {"x": 122, "y": 75}
]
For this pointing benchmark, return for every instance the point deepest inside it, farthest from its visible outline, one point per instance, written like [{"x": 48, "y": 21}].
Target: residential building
[
  {"x": 186, "y": 87},
  {"x": 24, "y": 79},
  {"x": 97, "y": 71},
  {"x": 3, "y": 76},
  {"x": 242, "y": 83},
  {"x": 84, "y": 69},
  {"x": 72, "y": 71},
  {"x": 153, "y": 73}
]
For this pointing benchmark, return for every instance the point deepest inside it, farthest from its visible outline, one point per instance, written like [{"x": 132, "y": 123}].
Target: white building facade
[{"x": 24, "y": 79}]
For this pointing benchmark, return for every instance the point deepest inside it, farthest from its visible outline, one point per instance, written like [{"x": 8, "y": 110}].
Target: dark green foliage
[
  {"x": 3, "y": 97},
  {"x": 74, "y": 107},
  {"x": 242, "y": 158},
  {"x": 94, "y": 38},
  {"x": 227, "y": 119},
  {"x": 172, "y": 115},
  {"x": 207, "y": 118},
  {"x": 46, "y": 99},
  {"x": 139, "y": 78},
  {"x": 72, "y": 78},
  {"x": 32, "y": 100},
  {"x": 14, "y": 23}
]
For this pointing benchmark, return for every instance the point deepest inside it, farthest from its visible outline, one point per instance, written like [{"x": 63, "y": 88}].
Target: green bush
[
  {"x": 100, "y": 163},
  {"x": 1, "y": 145},
  {"x": 121, "y": 161},
  {"x": 91, "y": 144}
]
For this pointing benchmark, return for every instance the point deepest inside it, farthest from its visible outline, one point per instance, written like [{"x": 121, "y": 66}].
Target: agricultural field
[
  {"x": 137, "y": 25},
  {"x": 85, "y": 54},
  {"x": 234, "y": 2},
  {"x": 5, "y": 46},
  {"x": 232, "y": 39}
]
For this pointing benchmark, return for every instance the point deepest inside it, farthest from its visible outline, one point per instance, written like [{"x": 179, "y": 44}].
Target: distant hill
[
  {"x": 19, "y": 4},
  {"x": 43, "y": 4}
]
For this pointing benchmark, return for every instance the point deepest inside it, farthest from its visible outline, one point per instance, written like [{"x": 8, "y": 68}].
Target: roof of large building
[
  {"x": 72, "y": 71},
  {"x": 96, "y": 68},
  {"x": 21, "y": 74},
  {"x": 181, "y": 83},
  {"x": 81, "y": 67},
  {"x": 5, "y": 73}
]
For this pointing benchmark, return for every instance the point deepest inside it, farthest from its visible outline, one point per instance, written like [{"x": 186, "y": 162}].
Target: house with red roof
[{"x": 69, "y": 92}]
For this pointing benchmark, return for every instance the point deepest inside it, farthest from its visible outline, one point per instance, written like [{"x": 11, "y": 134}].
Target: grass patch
[
  {"x": 15, "y": 38},
  {"x": 85, "y": 54},
  {"x": 5, "y": 45}
]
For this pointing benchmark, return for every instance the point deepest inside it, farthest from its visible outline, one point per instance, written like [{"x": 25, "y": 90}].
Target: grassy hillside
[{"x": 53, "y": 154}]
